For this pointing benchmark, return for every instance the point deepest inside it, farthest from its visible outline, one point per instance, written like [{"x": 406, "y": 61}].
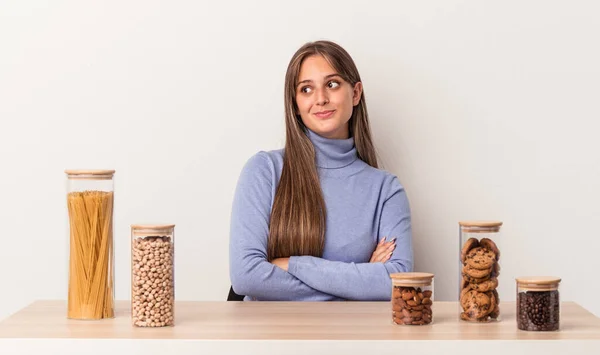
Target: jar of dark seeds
[
  {"x": 152, "y": 275},
  {"x": 538, "y": 303}
]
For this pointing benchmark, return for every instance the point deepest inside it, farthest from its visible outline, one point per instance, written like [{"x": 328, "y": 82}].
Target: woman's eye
[
  {"x": 333, "y": 84},
  {"x": 305, "y": 90}
]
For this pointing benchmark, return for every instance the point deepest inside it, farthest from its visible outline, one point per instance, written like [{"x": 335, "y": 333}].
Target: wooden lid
[
  {"x": 90, "y": 174},
  {"x": 412, "y": 278},
  {"x": 152, "y": 226},
  {"x": 480, "y": 226},
  {"x": 145, "y": 230},
  {"x": 538, "y": 280},
  {"x": 538, "y": 283}
]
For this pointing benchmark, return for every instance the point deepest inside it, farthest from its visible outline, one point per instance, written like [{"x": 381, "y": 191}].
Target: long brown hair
[{"x": 297, "y": 223}]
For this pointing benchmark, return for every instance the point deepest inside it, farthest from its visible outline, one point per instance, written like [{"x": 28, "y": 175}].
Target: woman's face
[{"x": 324, "y": 99}]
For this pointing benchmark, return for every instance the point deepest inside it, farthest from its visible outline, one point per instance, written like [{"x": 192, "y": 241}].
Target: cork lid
[
  {"x": 153, "y": 226},
  {"x": 538, "y": 283},
  {"x": 480, "y": 226},
  {"x": 90, "y": 174},
  {"x": 412, "y": 278},
  {"x": 151, "y": 229}
]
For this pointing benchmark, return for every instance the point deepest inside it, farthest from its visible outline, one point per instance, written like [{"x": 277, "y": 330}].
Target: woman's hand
[
  {"x": 384, "y": 251},
  {"x": 281, "y": 263}
]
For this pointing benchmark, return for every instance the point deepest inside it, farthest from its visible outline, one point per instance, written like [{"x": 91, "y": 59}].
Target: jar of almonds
[
  {"x": 152, "y": 275},
  {"x": 412, "y": 298}
]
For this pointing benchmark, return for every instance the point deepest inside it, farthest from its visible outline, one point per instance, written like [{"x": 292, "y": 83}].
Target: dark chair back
[{"x": 234, "y": 296}]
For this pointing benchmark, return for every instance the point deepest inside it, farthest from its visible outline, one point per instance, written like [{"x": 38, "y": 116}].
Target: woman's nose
[{"x": 322, "y": 98}]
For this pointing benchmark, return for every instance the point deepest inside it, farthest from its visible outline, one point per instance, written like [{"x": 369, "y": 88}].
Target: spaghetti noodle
[{"x": 91, "y": 255}]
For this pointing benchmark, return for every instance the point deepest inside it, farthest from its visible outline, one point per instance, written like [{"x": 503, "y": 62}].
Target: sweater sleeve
[
  {"x": 364, "y": 281},
  {"x": 250, "y": 272}
]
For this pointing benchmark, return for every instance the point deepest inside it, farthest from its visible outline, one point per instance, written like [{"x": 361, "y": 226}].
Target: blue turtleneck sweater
[{"x": 363, "y": 204}]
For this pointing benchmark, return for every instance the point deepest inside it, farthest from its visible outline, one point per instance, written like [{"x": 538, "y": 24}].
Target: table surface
[{"x": 290, "y": 320}]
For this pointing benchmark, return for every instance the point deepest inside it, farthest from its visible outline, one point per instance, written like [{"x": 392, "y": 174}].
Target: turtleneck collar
[{"x": 332, "y": 153}]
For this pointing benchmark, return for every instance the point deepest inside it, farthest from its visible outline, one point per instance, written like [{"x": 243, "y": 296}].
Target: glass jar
[
  {"x": 479, "y": 271},
  {"x": 538, "y": 303},
  {"x": 90, "y": 196},
  {"x": 412, "y": 298},
  {"x": 153, "y": 275}
]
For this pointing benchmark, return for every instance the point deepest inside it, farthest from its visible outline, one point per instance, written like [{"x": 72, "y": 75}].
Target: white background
[{"x": 484, "y": 109}]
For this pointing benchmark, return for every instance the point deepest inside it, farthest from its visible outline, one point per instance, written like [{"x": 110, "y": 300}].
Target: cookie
[
  {"x": 464, "y": 316},
  {"x": 485, "y": 286},
  {"x": 463, "y": 298},
  {"x": 496, "y": 269},
  {"x": 493, "y": 303},
  {"x": 474, "y": 280},
  {"x": 475, "y": 273},
  {"x": 463, "y": 283},
  {"x": 480, "y": 258},
  {"x": 469, "y": 244},
  {"x": 496, "y": 312},
  {"x": 490, "y": 245},
  {"x": 496, "y": 296},
  {"x": 483, "y": 313},
  {"x": 476, "y": 304}
]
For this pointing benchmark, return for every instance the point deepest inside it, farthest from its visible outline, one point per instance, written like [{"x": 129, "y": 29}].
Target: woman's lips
[{"x": 324, "y": 114}]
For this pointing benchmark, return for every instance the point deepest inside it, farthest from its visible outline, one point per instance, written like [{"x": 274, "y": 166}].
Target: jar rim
[
  {"x": 480, "y": 223},
  {"x": 539, "y": 288},
  {"x": 90, "y": 174},
  {"x": 152, "y": 227},
  {"x": 412, "y": 277},
  {"x": 538, "y": 280}
]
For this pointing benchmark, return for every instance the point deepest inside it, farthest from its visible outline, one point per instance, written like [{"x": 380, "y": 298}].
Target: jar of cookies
[
  {"x": 538, "y": 303},
  {"x": 412, "y": 298},
  {"x": 91, "y": 289},
  {"x": 153, "y": 275},
  {"x": 479, "y": 271}
]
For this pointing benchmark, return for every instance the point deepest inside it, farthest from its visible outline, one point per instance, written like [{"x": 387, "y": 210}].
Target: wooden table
[{"x": 291, "y": 328}]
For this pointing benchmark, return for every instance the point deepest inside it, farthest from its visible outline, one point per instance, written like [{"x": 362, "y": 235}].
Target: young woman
[{"x": 318, "y": 220}]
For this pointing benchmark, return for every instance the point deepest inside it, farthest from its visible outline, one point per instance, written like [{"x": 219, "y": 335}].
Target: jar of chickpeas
[{"x": 153, "y": 275}]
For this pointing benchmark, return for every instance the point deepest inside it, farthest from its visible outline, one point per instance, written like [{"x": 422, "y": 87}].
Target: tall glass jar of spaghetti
[{"x": 90, "y": 196}]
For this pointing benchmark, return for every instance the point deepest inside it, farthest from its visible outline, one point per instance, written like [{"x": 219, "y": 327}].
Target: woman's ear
[{"x": 357, "y": 93}]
